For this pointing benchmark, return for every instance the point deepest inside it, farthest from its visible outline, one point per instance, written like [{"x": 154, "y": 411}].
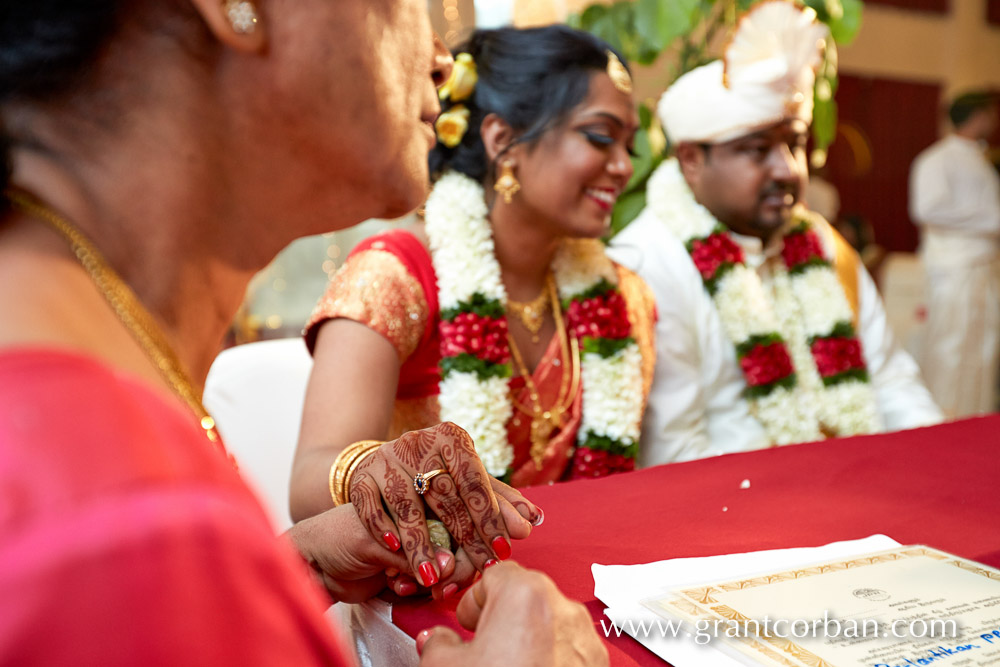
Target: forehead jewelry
[{"x": 618, "y": 74}]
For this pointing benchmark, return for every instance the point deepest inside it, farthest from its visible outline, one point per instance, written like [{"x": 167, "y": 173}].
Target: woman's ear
[
  {"x": 496, "y": 134},
  {"x": 236, "y": 23}
]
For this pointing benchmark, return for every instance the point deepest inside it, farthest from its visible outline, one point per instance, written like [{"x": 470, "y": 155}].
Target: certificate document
[{"x": 900, "y": 608}]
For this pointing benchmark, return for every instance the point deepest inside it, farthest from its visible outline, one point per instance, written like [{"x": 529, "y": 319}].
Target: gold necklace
[
  {"x": 135, "y": 318},
  {"x": 532, "y": 313},
  {"x": 544, "y": 422}
]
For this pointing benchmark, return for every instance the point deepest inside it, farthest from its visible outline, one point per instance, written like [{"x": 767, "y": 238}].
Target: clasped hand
[{"x": 481, "y": 513}]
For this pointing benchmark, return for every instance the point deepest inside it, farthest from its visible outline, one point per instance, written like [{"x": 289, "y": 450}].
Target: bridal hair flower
[
  {"x": 462, "y": 81},
  {"x": 452, "y": 125}
]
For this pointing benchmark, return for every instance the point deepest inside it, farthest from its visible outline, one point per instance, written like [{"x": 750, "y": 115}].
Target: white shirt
[
  {"x": 955, "y": 198},
  {"x": 696, "y": 407}
]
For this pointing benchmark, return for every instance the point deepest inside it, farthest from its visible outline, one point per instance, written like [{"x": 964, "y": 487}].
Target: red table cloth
[{"x": 938, "y": 486}]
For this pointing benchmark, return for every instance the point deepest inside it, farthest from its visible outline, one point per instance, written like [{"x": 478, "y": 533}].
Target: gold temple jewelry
[
  {"x": 618, "y": 73},
  {"x": 531, "y": 313},
  {"x": 344, "y": 466},
  {"x": 126, "y": 305},
  {"x": 507, "y": 184},
  {"x": 544, "y": 422}
]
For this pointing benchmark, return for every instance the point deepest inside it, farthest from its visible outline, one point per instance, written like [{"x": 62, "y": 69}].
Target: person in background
[
  {"x": 955, "y": 200},
  {"x": 770, "y": 332},
  {"x": 507, "y": 278},
  {"x": 157, "y": 154}
]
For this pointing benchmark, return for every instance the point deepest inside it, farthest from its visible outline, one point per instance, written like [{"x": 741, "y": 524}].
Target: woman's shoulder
[
  {"x": 408, "y": 245},
  {"x": 389, "y": 285}
]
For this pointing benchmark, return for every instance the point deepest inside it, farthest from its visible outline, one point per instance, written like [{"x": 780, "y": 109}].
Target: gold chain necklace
[
  {"x": 532, "y": 313},
  {"x": 136, "y": 319},
  {"x": 544, "y": 422}
]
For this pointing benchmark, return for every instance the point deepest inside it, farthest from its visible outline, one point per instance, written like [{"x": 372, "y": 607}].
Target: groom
[{"x": 771, "y": 331}]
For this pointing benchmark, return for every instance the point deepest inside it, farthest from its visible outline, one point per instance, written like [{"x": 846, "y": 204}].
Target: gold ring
[{"x": 421, "y": 481}]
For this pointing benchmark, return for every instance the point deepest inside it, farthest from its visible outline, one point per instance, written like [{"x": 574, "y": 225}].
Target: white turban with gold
[{"x": 766, "y": 76}]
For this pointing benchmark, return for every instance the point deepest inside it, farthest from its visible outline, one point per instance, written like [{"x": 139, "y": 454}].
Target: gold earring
[
  {"x": 242, "y": 16},
  {"x": 507, "y": 185}
]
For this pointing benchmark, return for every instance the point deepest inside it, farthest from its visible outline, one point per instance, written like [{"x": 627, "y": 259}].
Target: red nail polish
[
  {"x": 540, "y": 519},
  {"x": 427, "y": 574},
  {"x": 501, "y": 547},
  {"x": 490, "y": 563},
  {"x": 449, "y": 591},
  {"x": 406, "y": 589},
  {"x": 422, "y": 639},
  {"x": 391, "y": 541}
]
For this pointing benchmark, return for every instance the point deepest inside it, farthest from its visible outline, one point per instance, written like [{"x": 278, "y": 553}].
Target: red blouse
[{"x": 125, "y": 538}]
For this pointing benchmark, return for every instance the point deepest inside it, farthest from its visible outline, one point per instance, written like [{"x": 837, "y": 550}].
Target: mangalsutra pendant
[
  {"x": 541, "y": 433},
  {"x": 532, "y": 313}
]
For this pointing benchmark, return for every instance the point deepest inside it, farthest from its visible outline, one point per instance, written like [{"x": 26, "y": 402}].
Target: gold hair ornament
[{"x": 619, "y": 74}]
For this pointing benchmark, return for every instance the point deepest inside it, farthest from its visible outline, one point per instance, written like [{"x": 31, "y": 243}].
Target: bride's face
[{"x": 572, "y": 177}]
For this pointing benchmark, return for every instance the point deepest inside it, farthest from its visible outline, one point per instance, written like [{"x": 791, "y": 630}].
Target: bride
[{"x": 502, "y": 314}]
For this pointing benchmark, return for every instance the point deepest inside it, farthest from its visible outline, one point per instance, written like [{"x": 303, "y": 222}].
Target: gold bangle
[
  {"x": 363, "y": 453},
  {"x": 343, "y": 468}
]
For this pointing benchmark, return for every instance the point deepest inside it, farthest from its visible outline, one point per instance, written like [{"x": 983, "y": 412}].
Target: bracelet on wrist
[{"x": 344, "y": 467}]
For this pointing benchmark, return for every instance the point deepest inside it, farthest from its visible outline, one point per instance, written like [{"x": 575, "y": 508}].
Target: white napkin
[{"x": 621, "y": 587}]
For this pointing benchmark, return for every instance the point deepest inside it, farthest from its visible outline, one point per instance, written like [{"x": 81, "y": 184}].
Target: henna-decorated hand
[
  {"x": 520, "y": 618},
  {"x": 481, "y": 513},
  {"x": 352, "y": 566}
]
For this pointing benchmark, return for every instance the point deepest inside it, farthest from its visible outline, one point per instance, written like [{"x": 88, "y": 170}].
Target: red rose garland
[
  {"x": 599, "y": 320},
  {"x": 838, "y": 354}
]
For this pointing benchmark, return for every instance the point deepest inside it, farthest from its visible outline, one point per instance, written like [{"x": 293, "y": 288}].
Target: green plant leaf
[
  {"x": 646, "y": 55},
  {"x": 627, "y": 209},
  {"x": 843, "y": 17},
  {"x": 604, "y": 26},
  {"x": 824, "y": 125},
  {"x": 822, "y": 8},
  {"x": 645, "y": 115},
  {"x": 846, "y": 28},
  {"x": 642, "y": 160},
  {"x": 622, "y": 15},
  {"x": 660, "y": 22},
  {"x": 589, "y": 16}
]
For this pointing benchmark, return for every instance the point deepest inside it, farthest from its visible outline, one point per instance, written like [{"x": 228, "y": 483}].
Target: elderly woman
[
  {"x": 160, "y": 152},
  {"x": 503, "y": 314}
]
